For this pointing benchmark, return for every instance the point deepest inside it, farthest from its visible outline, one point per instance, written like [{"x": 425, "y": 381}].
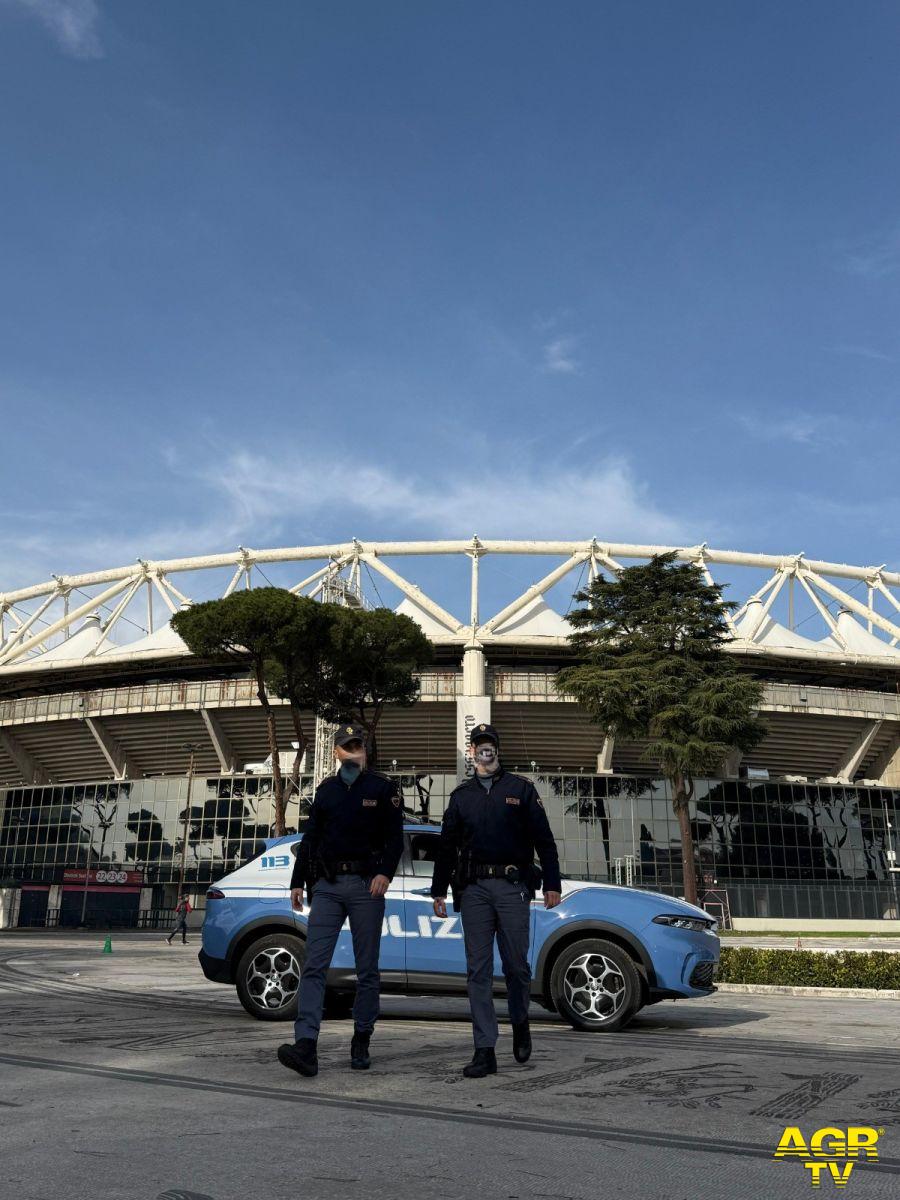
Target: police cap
[
  {"x": 484, "y": 733},
  {"x": 349, "y": 733}
]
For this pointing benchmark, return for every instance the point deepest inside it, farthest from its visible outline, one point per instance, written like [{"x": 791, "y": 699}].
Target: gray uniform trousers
[
  {"x": 332, "y": 904},
  {"x": 489, "y": 908}
]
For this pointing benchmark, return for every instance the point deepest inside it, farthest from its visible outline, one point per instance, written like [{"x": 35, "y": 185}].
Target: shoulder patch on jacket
[{"x": 395, "y": 800}]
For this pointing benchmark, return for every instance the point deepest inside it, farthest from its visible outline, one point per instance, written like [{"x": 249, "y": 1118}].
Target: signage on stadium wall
[
  {"x": 104, "y": 875},
  {"x": 470, "y": 711}
]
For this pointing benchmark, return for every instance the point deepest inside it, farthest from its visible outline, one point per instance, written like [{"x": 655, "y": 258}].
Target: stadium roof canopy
[
  {"x": 94, "y": 682},
  {"x": 77, "y": 621}
]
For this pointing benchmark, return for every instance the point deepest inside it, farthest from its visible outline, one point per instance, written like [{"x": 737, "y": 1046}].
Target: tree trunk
[
  {"x": 301, "y": 748},
  {"x": 272, "y": 732},
  {"x": 371, "y": 727},
  {"x": 680, "y": 803}
]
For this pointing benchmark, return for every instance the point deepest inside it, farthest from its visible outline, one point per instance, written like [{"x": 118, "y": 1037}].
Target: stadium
[{"x": 127, "y": 765}]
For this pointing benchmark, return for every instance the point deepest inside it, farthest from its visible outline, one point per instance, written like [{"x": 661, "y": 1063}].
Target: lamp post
[{"x": 192, "y": 750}]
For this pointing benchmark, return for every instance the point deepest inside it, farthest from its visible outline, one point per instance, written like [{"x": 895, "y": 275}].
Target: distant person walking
[{"x": 182, "y": 908}]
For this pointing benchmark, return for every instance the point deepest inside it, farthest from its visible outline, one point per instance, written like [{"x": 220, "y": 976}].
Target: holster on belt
[
  {"x": 462, "y": 876},
  {"x": 318, "y": 869}
]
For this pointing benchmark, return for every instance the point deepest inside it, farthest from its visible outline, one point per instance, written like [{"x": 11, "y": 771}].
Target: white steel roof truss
[
  {"x": 826, "y": 616},
  {"x": 536, "y": 590},
  {"x": 116, "y": 613}
]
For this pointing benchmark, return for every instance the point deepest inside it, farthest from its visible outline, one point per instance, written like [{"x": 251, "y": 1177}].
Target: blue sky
[{"x": 299, "y": 271}]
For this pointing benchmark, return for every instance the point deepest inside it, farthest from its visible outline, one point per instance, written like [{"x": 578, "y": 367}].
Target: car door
[
  {"x": 435, "y": 954},
  {"x": 272, "y": 871}
]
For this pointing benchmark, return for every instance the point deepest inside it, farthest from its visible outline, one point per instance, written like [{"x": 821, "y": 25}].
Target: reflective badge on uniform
[
  {"x": 395, "y": 800},
  {"x": 512, "y": 799},
  {"x": 370, "y": 803},
  {"x": 349, "y": 728}
]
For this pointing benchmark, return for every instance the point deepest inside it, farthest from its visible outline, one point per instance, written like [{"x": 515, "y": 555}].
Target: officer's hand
[
  {"x": 297, "y": 899},
  {"x": 379, "y": 886},
  {"x": 440, "y": 906},
  {"x": 551, "y": 899}
]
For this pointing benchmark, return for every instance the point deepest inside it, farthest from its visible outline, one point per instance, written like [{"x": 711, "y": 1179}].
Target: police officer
[
  {"x": 493, "y": 825},
  {"x": 346, "y": 860}
]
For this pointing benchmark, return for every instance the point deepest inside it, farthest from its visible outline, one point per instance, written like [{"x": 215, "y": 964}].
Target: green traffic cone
[{"x": 107, "y": 945}]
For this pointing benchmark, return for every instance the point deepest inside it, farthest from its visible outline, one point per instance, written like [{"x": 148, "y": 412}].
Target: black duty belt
[
  {"x": 510, "y": 871},
  {"x": 350, "y": 867}
]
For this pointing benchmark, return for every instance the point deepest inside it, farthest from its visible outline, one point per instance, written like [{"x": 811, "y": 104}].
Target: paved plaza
[{"x": 129, "y": 1076}]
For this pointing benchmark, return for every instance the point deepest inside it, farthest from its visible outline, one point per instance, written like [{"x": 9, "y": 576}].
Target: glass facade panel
[{"x": 805, "y": 842}]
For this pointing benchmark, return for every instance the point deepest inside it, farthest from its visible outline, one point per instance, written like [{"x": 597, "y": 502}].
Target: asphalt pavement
[{"x": 128, "y": 1075}]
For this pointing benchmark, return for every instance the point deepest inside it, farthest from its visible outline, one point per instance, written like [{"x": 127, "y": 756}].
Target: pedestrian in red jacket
[{"x": 182, "y": 908}]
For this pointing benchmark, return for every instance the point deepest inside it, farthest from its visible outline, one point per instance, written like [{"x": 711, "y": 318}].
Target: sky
[{"x": 297, "y": 272}]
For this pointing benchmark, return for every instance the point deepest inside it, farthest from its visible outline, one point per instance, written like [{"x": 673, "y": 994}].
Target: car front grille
[{"x": 703, "y": 974}]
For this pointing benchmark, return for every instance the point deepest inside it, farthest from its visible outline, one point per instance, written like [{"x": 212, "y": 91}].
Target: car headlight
[{"x": 697, "y": 924}]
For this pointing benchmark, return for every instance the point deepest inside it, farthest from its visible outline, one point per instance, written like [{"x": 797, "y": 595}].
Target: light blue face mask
[{"x": 350, "y": 771}]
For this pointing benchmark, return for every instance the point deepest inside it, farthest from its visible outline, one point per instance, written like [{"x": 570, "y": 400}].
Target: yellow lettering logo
[
  {"x": 792, "y": 1143},
  {"x": 828, "y": 1143},
  {"x": 835, "y": 1150}
]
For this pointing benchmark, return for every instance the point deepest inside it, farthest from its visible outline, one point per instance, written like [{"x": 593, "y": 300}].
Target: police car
[{"x": 596, "y": 959}]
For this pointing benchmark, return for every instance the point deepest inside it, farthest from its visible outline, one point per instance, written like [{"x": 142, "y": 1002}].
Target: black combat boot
[
  {"x": 484, "y": 1062},
  {"x": 359, "y": 1051},
  {"x": 300, "y": 1056},
  {"x": 521, "y": 1041}
]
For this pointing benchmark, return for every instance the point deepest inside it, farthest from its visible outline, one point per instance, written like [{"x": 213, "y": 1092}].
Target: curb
[{"x": 837, "y": 993}]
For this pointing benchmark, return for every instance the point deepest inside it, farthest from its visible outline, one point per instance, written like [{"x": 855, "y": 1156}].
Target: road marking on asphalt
[{"x": 517, "y": 1124}]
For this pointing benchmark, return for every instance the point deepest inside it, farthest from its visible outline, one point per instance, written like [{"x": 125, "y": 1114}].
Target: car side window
[{"x": 422, "y": 851}]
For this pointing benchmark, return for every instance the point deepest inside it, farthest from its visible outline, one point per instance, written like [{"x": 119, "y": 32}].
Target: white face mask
[{"x": 486, "y": 755}]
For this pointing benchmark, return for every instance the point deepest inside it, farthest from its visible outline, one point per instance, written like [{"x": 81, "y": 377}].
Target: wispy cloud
[
  {"x": 558, "y": 344},
  {"x": 800, "y": 428},
  {"x": 538, "y": 500},
  {"x": 559, "y": 356},
  {"x": 874, "y": 257},
  {"x": 862, "y": 352},
  {"x": 72, "y": 23},
  {"x": 304, "y": 498}
]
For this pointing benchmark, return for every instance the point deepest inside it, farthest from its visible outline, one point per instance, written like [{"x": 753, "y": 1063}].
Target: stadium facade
[{"x": 126, "y": 764}]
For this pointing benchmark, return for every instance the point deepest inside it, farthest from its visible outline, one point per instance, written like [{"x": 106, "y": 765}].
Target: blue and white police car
[{"x": 596, "y": 959}]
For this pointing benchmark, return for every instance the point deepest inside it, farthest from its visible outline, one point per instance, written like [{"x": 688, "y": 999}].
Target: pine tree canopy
[{"x": 653, "y": 666}]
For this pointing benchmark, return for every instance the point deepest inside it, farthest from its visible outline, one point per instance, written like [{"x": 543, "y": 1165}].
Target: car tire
[
  {"x": 595, "y": 986},
  {"x": 268, "y": 976}
]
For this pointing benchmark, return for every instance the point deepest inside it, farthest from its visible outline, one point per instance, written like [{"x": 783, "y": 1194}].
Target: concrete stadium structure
[{"x": 82, "y": 702}]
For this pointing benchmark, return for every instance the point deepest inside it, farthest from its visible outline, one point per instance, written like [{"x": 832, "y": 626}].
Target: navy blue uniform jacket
[
  {"x": 508, "y": 824},
  {"x": 359, "y": 822}
]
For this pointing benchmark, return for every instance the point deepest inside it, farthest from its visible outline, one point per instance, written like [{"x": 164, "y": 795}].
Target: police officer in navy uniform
[
  {"x": 493, "y": 826},
  {"x": 346, "y": 860}
]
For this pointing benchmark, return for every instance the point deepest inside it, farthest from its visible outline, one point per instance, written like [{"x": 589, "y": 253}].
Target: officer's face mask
[{"x": 486, "y": 757}]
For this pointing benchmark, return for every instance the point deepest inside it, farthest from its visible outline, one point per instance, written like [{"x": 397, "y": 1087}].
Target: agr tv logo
[{"x": 831, "y": 1152}]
